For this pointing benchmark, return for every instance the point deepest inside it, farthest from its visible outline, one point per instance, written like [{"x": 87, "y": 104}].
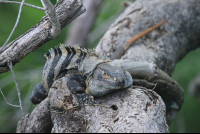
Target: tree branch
[
  {"x": 18, "y": 91},
  {"x": 66, "y": 10},
  {"x": 131, "y": 110},
  {"x": 39, "y": 121},
  {"x": 164, "y": 46},
  {"x": 7, "y": 101},
  {"x": 50, "y": 11}
]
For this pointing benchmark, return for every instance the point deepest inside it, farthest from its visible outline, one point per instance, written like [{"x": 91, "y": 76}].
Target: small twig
[
  {"x": 19, "y": 94},
  {"x": 18, "y": 17},
  {"x": 25, "y": 4},
  {"x": 154, "y": 87},
  {"x": 121, "y": 49},
  {"x": 51, "y": 13},
  {"x": 7, "y": 101}
]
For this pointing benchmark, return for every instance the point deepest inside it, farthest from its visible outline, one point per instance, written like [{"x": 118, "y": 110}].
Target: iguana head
[{"x": 108, "y": 77}]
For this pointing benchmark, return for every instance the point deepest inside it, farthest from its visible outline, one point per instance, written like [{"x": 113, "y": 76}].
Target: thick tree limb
[
  {"x": 66, "y": 10},
  {"x": 116, "y": 112},
  {"x": 39, "y": 121},
  {"x": 164, "y": 46},
  {"x": 135, "y": 109},
  {"x": 121, "y": 49}
]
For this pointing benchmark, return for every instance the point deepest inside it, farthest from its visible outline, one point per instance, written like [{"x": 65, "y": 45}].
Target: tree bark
[
  {"x": 136, "y": 109},
  {"x": 116, "y": 112},
  {"x": 39, "y": 121},
  {"x": 164, "y": 46}
]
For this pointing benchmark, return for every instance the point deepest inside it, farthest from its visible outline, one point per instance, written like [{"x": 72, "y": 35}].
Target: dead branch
[
  {"x": 164, "y": 46},
  {"x": 18, "y": 91},
  {"x": 66, "y": 10},
  {"x": 50, "y": 12}
]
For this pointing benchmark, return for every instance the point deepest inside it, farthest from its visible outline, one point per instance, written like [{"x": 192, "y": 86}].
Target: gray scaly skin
[{"x": 89, "y": 74}]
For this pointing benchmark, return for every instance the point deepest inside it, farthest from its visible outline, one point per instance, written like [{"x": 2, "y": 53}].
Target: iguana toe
[{"x": 84, "y": 98}]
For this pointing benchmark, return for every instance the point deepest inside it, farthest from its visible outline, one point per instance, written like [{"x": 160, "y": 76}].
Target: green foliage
[
  {"x": 188, "y": 119},
  {"x": 29, "y": 70}
]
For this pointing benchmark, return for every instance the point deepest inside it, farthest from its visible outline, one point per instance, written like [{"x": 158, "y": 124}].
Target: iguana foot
[{"x": 84, "y": 98}]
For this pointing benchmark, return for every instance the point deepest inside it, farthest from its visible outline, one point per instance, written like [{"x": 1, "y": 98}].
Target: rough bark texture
[
  {"x": 135, "y": 109},
  {"x": 81, "y": 26},
  {"x": 39, "y": 121},
  {"x": 124, "y": 109},
  {"x": 66, "y": 10},
  {"x": 165, "y": 46}
]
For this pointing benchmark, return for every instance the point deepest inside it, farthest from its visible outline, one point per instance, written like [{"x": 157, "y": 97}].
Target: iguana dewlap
[{"x": 88, "y": 72}]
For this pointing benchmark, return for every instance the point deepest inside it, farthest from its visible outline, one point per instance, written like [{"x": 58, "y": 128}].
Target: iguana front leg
[{"x": 76, "y": 84}]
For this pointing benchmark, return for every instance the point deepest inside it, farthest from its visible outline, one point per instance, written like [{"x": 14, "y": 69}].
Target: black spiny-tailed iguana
[{"x": 88, "y": 72}]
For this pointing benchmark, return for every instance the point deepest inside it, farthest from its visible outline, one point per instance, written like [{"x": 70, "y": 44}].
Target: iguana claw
[{"x": 84, "y": 98}]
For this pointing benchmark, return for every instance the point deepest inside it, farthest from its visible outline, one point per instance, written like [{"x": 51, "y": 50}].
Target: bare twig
[
  {"x": 7, "y": 101},
  {"x": 25, "y": 4},
  {"x": 38, "y": 35},
  {"x": 18, "y": 17},
  {"x": 120, "y": 51},
  {"x": 50, "y": 11},
  {"x": 19, "y": 94}
]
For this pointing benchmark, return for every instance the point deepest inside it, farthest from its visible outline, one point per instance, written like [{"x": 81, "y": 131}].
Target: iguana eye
[
  {"x": 105, "y": 75},
  {"x": 104, "y": 72}
]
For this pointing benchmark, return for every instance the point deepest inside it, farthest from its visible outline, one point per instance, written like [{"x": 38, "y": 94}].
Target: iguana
[{"x": 89, "y": 73}]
